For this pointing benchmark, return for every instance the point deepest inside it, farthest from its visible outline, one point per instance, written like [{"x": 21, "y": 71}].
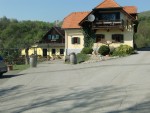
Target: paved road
[
  {"x": 7, "y": 76},
  {"x": 114, "y": 86}
]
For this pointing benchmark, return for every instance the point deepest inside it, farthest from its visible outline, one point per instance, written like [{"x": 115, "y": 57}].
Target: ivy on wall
[{"x": 89, "y": 36}]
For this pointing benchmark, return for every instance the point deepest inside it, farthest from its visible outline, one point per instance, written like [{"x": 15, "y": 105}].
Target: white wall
[
  {"x": 128, "y": 37},
  {"x": 69, "y": 34}
]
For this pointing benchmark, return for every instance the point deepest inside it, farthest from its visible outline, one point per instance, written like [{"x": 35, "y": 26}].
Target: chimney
[{"x": 56, "y": 23}]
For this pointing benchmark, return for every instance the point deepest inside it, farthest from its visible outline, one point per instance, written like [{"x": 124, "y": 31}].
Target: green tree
[{"x": 19, "y": 35}]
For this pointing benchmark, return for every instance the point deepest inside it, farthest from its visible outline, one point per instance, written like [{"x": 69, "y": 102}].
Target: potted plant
[{"x": 10, "y": 63}]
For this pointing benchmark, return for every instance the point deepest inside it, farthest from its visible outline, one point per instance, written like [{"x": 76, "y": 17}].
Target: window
[
  {"x": 61, "y": 51},
  {"x": 53, "y": 51},
  {"x": 44, "y": 52},
  {"x": 49, "y": 37},
  {"x": 57, "y": 37},
  {"x": 75, "y": 40},
  {"x": 100, "y": 38},
  {"x": 53, "y": 37},
  {"x": 117, "y": 38},
  {"x": 110, "y": 16}
]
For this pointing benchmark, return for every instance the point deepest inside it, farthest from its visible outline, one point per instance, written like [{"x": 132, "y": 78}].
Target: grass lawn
[{"x": 18, "y": 68}]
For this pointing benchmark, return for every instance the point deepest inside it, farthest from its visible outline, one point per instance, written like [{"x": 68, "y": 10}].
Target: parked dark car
[{"x": 3, "y": 66}]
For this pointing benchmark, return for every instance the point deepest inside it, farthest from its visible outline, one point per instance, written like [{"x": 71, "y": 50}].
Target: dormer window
[
  {"x": 110, "y": 16},
  {"x": 49, "y": 37},
  {"x": 53, "y": 37}
]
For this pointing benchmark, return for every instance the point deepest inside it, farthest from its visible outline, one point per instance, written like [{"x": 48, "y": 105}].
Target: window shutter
[
  {"x": 72, "y": 40},
  {"x": 78, "y": 40}
]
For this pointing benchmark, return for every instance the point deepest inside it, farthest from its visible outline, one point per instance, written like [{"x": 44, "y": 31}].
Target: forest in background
[
  {"x": 21, "y": 34},
  {"x": 17, "y": 35},
  {"x": 142, "y": 37}
]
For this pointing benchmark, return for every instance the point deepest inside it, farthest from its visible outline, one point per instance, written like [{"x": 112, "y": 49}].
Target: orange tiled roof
[
  {"x": 73, "y": 20},
  {"x": 130, "y": 9},
  {"x": 108, "y": 4}
]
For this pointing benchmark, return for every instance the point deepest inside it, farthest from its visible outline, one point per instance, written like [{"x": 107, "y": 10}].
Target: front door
[{"x": 44, "y": 52}]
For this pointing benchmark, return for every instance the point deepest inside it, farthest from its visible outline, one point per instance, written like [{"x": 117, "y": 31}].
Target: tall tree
[{"x": 21, "y": 34}]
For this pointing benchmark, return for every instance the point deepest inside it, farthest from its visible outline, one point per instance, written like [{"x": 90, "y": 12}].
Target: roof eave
[
  {"x": 108, "y": 8},
  {"x": 129, "y": 15},
  {"x": 97, "y": 9},
  {"x": 71, "y": 28},
  {"x": 84, "y": 18}
]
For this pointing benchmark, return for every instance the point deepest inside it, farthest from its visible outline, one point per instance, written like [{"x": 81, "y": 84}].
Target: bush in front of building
[
  {"x": 104, "y": 50},
  {"x": 87, "y": 50},
  {"x": 20, "y": 60},
  {"x": 10, "y": 55},
  {"x": 123, "y": 50},
  {"x": 82, "y": 57}
]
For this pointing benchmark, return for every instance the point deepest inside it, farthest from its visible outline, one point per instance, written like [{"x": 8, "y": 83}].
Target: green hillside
[
  {"x": 144, "y": 14},
  {"x": 142, "y": 37}
]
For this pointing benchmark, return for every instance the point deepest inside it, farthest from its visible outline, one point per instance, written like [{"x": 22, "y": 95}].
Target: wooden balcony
[
  {"x": 51, "y": 45},
  {"x": 108, "y": 24},
  {"x": 56, "y": 44}
]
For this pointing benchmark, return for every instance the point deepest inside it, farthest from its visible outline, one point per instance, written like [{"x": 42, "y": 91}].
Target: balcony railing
[
  {"x": 108, "y": 24},
  {"x": 51, "y": 45}
]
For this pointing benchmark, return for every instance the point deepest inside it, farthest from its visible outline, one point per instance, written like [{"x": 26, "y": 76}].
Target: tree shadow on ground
[
  {"x": 76, "y": 100},
  {"x": 7, "y": 91},
  {"x": 139, "y": 108},
  {"x": 10, "y": 76}
]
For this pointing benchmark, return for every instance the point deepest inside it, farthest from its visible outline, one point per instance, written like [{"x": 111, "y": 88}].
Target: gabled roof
[
  {"x": 108, "y": 4},
  {"x": 130, "y": 9},
  {"x": 59, "y": 31},
  {"x": 73, "y": 20}
]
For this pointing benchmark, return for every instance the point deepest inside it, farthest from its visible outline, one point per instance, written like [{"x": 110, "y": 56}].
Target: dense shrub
[
  {"x": 87, "y": 50},
  {"x": 10, "y": 55},
  {"x": 123, "y": 50},
  {"x": 20, "y": 61},
  {"x": 104, "y": 50},
  {"x": 82, "y": 57}
]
